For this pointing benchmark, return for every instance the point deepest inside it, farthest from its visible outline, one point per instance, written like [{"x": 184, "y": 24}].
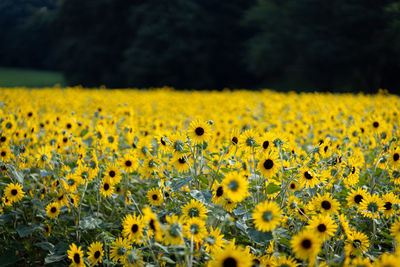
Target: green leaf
[
  {"x": 8, "y": 258},
  {"x": 23, "y": 230},
  {"x": 272, "y": 188},
  {"x": 168, "y": 260},
  {"x": 45, "y": 245},
  {"x": 54, "y": 258},
  {"x": 89, "y": 223},
  {"x": 259, "y": 237}
]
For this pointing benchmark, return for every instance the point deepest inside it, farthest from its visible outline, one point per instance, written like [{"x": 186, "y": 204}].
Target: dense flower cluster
[{"x": 199, "y": 178}]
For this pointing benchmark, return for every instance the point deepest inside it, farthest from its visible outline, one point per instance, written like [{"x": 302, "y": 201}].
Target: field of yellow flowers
[{"x": 166, "y": 178}]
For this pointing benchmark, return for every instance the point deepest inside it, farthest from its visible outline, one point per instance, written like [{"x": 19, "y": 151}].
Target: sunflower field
[{"x": 165, "y": 178}]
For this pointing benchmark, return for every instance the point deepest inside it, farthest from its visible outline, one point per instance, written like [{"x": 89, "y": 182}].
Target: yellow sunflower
[
  {"x": 95, "y": 253},
  {"x": 180, "y": 162},
  {"x": 306, "y": 245},
  {"x": 268, "y": 164},
  {"x": 155, "y": 197},
  {"x": 325, "y": 204},
  {"x": 267, "y": 216},
  {"x": 14, "y": 192},
  {"x": 323, "y": 226},
  {"x": 389, "y": 200},
  {"x": 129, "y": 162},
  {"x": 236, "y": 186},
  {"x": 356, "y": 196},
  {"x": 76, "y": 255},
  {"x": 194, "y": 209},
  {"x": 196, "y": 228},
  {"x": 53, "y": 209},
  {"x": 371, "y": 205},
  {"x": 199, "y": 131},
  {"x": 119, "y": 249},
  {"x": 113, "y": 174},
  {"x": 133, "y": 228},
  {"x": 231, "y": 256},
  {"x": 107, "y": 188},
  {"x": 248, "y": 141},
  {"x": 395, "y": 230},
  {"x": 214, "y": 241},
  {"x": 356, "y": 243},
  {"x": 307, "y": 178},
  {"x": 173, "y": 231}
]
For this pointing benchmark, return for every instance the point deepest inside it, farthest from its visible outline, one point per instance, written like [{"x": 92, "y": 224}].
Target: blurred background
[{"x": 337, "y": 45}]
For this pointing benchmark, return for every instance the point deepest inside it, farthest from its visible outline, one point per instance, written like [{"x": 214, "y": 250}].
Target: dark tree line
[{"x": 293, "y": 44}]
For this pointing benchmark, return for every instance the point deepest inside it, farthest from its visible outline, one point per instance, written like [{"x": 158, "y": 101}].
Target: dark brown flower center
[
  {"x": 268, "y": 164},
  {"x": 112, "y": 174},
  {"x": 388, "y": 206},
  {"x": 128, "y": 163},
  {"x": 230, "y": 262},
  {"x": 265, "y": 144},
  {"x": 106, "y": 186},
  {"x": 396, "y": 156},
  {"x": 14, "y": 192},
  {"x": 96, "y": 254},
  {"x": 235, "y": 140},
  {"x": 375, "y": 124},
  {"x": 134, "y": 228},
  {"x": 308, "y": 175},
  {"x": 53, "y": 210},
  {"x": 154, "y": 197},
  {"x": 326, "y": 205},
  {"x": 77, "y": 258},
  {"x": 306, "y": 243},
  {"x": 358, "y": 199},
  {"x": 199, "y": 131},
  {"x": 321, "y": 228},
  {"x": 220, "y": 191}
]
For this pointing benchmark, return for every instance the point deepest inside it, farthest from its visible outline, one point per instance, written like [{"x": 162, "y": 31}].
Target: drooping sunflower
[
  {"x": 113, "y": 174},
  {"x": 14, "y": 192},
  {"x": 194, "y": 209},
  {"x": 323, "y": 226},
  {"x": 76, "y": 255},
  {"x": 163, "y": 143},
  {"x": 180, "y": 162},
  {"x": 228, "y": 204},
  {"x": 152, "y": 223},
  {"x": 173, "y": 231},
  {"x": 199, "y": 131},
  {"x": 231, "y": 256},
  {"x": 356, "y": 243},
  {"x": 119, "y": 249},
  {"x": 356, "y": 196},
  {"x": 268, "y": 164},
  {"x": 389, "y": 200},
  {"x": 195, "y": 228},
  {"x": 133, "y": 228},
  {"x": 95, "y": 253},
  {"x": 155, "y": 197},
  {"x": 178, "y": 143},
  {"x": 248, "y": 141},
  {"x": 53, "y": 209},
  {"x": 325, "y": 204},
  {"x": 214, "y": 241},
  {"x": 286, "y": 261},
  {"x": 371, "y": 205},
  {"x": 235, "y": 186},
  {"x": 267, "y": 216},
  {"x": 307, "y": 178},
  {"x": 149, "y": 166},
  {"x": 107, "y": 188},
  {"x": 306, "y": 245},
  {"x": 129, "y": 162}
]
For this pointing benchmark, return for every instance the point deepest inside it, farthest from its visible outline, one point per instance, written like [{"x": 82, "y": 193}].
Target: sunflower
[
  {"x": 5, "y": 154},
  {"x": 76, "y": 255},
  {"x": 323, "y": 226},
  {"x": 153, "y": 225},
  {"x": 214, "y": 240},
  {"x": 155, "y": 197},
  {"x": 113, "y": 174},
  {"x": 231, "y": 256},
  {"x": 307, "y": 178},
  {"x": 325, "y": 204},
  {"x": 14, "y": 192},
  {"x": 218, "y": 194},
  {"x": 180, "y": 163},
  {"x": 387, "y": 260},
  {"x": 268, "y": 164},
  {"x": 356, "y": 196},
  {"x": 228, "y": 204},
  {"x": 119, "y": 249},
  {"x": 107, "y": 188},
  {"x": 395, "y": 158},
  {"x": 266, "y": 141},
  {"x": 129, "y": 162},
  {"x": 199, "y": 131},
  {"x": 178, "y": 144},
  {"x": 133, "y": 228},
  {"x": 293, "y": 186},
  {"x": 267, "y": 216},
  {"x": 389, "y": 200},
  {"x": 248, "y": 141},
  {"x": 53, "y": 209},
  {"x": 371, "y": 205},
  {"x": 235, "y": 186},
  {"x": 95, "y": 253},
  {"x": 395, "y": 230},
  {"x": 173, "y": 231},
  {"x": 149, "y": 166},
  {"x": 47, "y": 229},
  {"x": 163, "y": 143},
  {"x": 286, "y": 261},
  {"x": 194, "y": 209},
  {"x": 306, "y": 245},
  {"x": 43, "y": 156},
  {"x": 234, "y": 138},
  {"x": 196, "y": 228},
  {"x": 356, "y": 243}
]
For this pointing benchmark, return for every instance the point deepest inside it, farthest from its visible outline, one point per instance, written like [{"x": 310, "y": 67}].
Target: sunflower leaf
[
  {"x": 259, "y": 237},
  {"x": 272, "y": 188}
]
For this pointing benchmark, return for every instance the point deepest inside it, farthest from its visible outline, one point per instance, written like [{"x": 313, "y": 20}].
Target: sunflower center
[
  {"x": 112, "y": 174},
  {"x": 194, "y": 229},
  {"x": 106, "y": 186},
  {"x": 353, "y": 170},
  {"x": 151, "y": 224},
  {"x": 134, "y": 228},
  {"x": 3, "y": 153},
  {"x": 375, "y": 124},
  {"x": 199, "y": 131},
  {"x": 356, "y": 243},
  {"x": 65, "y": 139},
  {"x": 128, "y": 163},
  {"x": 235, "y": 140},
  {"x": 181, "y": 160},
  {"x": 326, "y": 205},
  {"x": 306, "y": 243},
  {"x": 14, "y": 192},
  {"x": 97, "y": 254},
  {"x": 250, "y": 141},
  {"x": 121, "y": 251},
  {"x": 358, "y": 199},
  {"x": 174, "y": 230},
  {"x": 162, "y": 141},
  {"x": 53, "y": 209},
  {"x": 152, "y": 163},
  {"x": 388, "y": 205},
  {"x": 233, "y": 185},
  {"x": 326, "y": 148},
  {"x": 267, "y": 216},
  {"x": 166, "y": 194},
  {"x": 230, "y": 262},
  {"x": 3, "y": 139},
  {"x": 193, "y": 212},
  {"x": 77, "y": 258},
  {"x": 268, "y": 164},
  {"x": 154, "y": 197},
  {"x": 69, "y": 125},
  {"x": 265, "y": 145},
  {"x": 372, "y": 207},
  {"x": 308, "y": 175},
  {"x": 292, "y": 186},
  {"x": 321, "y": 228},
  {"x": 220, "y": 191},
  {"x": 396, "y": 156}
]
